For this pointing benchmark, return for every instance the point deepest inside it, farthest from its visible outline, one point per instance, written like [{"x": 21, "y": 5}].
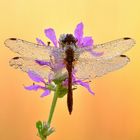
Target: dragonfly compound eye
[{"x": 69, "y": 39}]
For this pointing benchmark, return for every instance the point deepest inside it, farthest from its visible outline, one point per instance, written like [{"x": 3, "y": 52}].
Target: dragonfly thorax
[{"x": 69, "y": 52}]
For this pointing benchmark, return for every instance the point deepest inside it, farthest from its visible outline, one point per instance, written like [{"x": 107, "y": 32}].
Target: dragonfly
[{"x": 87, "y": 65}]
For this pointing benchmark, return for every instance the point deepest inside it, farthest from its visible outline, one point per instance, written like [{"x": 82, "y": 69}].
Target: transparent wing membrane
[
  {"x": 87, "y": 65},
  {"x": 28, "y": 49},
  {"x": 115, "y": 47},
  {"x": 111, "y": 49},
  {"x": 92, "y": 68},
  {"x": 27, "y": 64}
]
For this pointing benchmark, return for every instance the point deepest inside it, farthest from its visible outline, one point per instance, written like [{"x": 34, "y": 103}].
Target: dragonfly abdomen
[
  {"x": 70, "y": 94},
  {"x": 69, "y": 66}
]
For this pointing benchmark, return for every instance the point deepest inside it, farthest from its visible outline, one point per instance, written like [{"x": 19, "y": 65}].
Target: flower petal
[
  {"x": 84, "y": 84},
  {"x": 40, "y": 62},
  {"x": 96, "y": 54},
  {"x": 58, "y": 66},
  {"x": 40, "y": 42},
  {"x": 35, "y": 77},
  {"x": 78, "y": 32},
  {"x": 50, "y": 77},
  {"x": 45, "y": 93},
  {"x": 32, "y": 87},
  {"x": 90, "y": 49},
  {"x": 50, "y": 33},
  {"x": 87, "y": 41},
  {"x": 65, "y": 83}
]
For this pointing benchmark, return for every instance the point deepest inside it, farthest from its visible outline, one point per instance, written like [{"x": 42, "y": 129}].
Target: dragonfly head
[{"x": 67, "y": 40}]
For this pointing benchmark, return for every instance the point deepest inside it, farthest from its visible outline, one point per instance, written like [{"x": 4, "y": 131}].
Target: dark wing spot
[
  {"x": 13, "y": 39},
  {"x": 126, "y": 38},
  {"x": 123, "y": 55},
  {"x": 16, "y": 58}
]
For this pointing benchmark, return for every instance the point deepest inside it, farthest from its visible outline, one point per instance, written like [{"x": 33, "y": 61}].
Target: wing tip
[
  {"x": 128, "y": 59},
  {"x": 16, "y": 62},
  {"x": 126, "y": 38},
  {"x": 9, "y": 39},
  {"x": 131, "y": 39},
  {"x": 12, "y": 38}
]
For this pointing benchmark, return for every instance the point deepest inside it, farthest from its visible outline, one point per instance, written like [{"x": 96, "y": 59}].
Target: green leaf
[
  {"x": 62, "y": 91},
  {"x": 51, "y": 87},
  {"x": 39, "y": 126},
  {"x": 60, "y": 79}
]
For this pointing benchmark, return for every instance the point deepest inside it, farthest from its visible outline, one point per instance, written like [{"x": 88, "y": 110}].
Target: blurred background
[{"x": 113, "y": 113}]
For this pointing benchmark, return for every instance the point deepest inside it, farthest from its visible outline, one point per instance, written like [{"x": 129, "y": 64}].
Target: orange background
[{"x": 113, "y": 114}]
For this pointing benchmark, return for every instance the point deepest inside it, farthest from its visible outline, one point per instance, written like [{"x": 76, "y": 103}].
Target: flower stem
[
  {"x": 55, "y": 97},
  {"x": 52, "y": 107}
]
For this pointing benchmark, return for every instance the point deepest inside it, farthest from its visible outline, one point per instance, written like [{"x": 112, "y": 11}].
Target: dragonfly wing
[
  {"x": 28, "y": 49},
  {"x": 111, "y": 49},
  {"x": 27, "y": 64},
  {"x": 115, "y": 47},
  {"x": 95, "y": 68}
]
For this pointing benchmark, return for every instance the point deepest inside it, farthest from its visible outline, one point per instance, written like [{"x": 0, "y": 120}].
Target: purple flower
[
  {"x": 76, "y": 81},
  {"x": 36, "y": 78},
  {"x": 85, "y": 42},
  {"x": 78, "y": 33},
  {"x": 42, "y": 63},
  {"x": 82, "y": 42},
  {"x": 54, "y": 66},
  {"x": 50, "y": 33},
  {"x": 40, "y": 42},
  {"x": 84, "y": 84}
]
